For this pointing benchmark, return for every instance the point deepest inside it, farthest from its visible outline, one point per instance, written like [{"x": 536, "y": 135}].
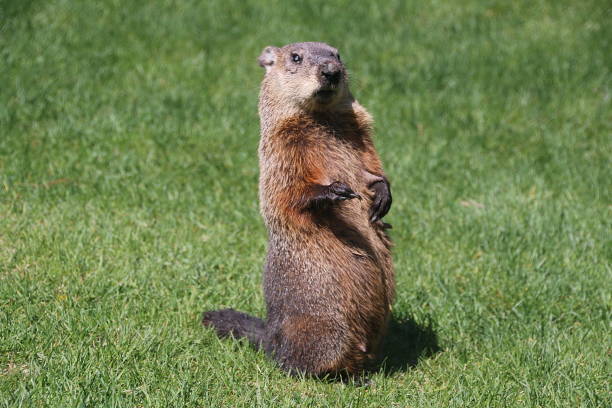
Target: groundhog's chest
[
  {"x": 293, "y": 161},
  {"x": 337, "y": 155},
  {"x": 339, "y": 160}
]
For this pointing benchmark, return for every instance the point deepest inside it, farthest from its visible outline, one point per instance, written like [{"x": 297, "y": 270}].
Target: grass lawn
[{"x": 128, "y": 199}]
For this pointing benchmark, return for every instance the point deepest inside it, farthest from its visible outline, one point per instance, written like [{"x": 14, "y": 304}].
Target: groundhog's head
[{"x": 309, "y": 75}]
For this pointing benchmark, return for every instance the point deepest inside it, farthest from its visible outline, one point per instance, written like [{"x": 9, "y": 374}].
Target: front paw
[
  {"x": 382, "y": 200},
  {"x": 338, "y": 191},
  {"x": 328, "y": 194}
]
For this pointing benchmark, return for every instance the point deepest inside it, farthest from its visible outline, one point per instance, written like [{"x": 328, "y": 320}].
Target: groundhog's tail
[{"x": 229, "y": 322}]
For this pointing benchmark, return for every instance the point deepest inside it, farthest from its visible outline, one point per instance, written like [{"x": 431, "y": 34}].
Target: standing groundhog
[{"x": 328, "y": 279}]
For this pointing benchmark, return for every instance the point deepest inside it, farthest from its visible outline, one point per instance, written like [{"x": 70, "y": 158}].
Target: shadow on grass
[{"x": 406, "y": 343}]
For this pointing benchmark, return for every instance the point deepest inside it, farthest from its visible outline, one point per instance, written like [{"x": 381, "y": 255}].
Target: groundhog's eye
[
  {"x": 338, "y": 56},
  {"x": 296, "y": 58}
]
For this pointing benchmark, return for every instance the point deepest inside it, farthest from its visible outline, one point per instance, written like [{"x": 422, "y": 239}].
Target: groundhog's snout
[{"x": 331, "y": 73}]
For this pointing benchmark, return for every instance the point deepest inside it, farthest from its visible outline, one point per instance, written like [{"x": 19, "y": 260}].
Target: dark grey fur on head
[{"x": 317, "y": 52}]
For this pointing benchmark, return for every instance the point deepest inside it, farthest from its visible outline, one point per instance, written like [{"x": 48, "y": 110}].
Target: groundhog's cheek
[{"x": 308, "y": 87}]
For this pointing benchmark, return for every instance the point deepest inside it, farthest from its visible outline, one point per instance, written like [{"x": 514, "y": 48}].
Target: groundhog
[{"x": 328, "y": 279}]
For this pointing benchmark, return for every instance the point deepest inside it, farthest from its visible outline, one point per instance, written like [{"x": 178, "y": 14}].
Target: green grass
[{"x": 128, "y": 199}]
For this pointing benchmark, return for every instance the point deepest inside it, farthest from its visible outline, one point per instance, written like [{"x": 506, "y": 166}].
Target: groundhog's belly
[{"x": 334, "y": 268}]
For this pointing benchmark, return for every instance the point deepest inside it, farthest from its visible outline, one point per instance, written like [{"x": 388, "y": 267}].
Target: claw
[
  {"x": 342, "y": 191},
  {"x": 382, "y": 200}
]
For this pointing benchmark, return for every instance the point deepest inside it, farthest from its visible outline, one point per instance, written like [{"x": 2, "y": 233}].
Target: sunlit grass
[{"x": 128, "y": 199}]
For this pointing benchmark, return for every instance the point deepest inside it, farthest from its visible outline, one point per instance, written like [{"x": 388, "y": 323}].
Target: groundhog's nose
[{"x": 331, "y": 72}]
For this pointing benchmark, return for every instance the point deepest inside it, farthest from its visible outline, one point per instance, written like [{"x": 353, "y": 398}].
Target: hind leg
[{"x": 307, "y": 344}]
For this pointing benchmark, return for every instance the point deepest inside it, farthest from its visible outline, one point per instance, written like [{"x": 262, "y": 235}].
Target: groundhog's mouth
[{"x": 325, "y": 93}]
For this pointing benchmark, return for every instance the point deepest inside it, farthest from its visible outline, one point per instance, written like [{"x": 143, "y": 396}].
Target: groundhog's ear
[{"x": 267, "y": 57}]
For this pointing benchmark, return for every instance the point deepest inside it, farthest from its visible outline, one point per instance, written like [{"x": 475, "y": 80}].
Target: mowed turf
[{"x": 128, "y": 199}]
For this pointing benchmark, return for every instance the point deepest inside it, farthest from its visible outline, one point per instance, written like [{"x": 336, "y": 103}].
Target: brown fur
[{"x": 328, "y": 279}]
